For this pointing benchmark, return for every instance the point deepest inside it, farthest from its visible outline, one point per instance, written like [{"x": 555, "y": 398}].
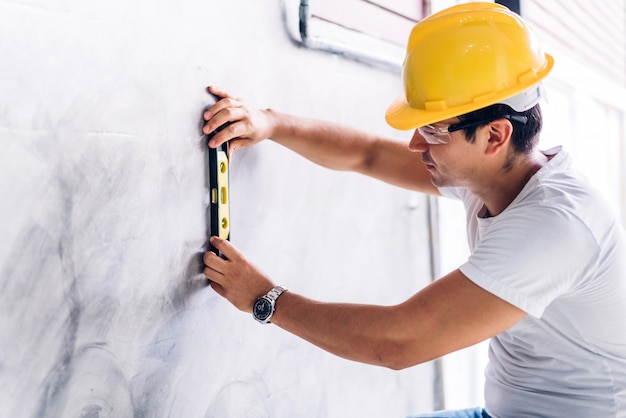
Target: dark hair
[{"x": 525, "y": 135}]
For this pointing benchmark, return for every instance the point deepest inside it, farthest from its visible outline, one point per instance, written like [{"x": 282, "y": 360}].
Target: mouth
[{"x": 429, "y": 165}]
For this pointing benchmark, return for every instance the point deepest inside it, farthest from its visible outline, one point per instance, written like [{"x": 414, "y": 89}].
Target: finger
[
  {"x": 232, "y": 131},
  {"x": 232, "y": 147},
  {"x": 221, "y": 111},
  {"x": 220, "y": 114},
  {"x": 213, "y": 275},
  {"x": 214, "y": 262},
  {"x": 216, "y": 91},
  {"x": 226, "y": 248},
  {"x": 235, "y": 145},
  {"x": 218, "y": 289},
  {"x": 210, "y": 274}
]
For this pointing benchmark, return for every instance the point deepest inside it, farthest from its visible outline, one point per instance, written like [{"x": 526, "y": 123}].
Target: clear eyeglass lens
[{"x": 434, "y": 135}]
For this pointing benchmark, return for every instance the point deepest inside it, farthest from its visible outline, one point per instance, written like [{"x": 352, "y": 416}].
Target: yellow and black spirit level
[{"x": 218, "y": 185}]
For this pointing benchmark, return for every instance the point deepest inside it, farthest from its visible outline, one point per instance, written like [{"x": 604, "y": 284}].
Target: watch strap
[{"x": 275, "y": 293}]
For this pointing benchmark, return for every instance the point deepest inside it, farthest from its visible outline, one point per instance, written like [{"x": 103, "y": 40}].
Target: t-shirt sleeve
[{"x": 531, "y": 258}]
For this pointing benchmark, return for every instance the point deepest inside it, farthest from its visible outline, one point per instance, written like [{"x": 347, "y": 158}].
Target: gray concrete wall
[{"x": 102, "y": 165}]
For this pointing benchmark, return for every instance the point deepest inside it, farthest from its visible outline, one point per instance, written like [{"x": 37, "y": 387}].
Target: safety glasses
[{"x": 435, "y": 135}]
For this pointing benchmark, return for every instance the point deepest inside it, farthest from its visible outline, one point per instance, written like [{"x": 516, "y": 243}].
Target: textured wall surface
[{"x": 103, "y": 312}]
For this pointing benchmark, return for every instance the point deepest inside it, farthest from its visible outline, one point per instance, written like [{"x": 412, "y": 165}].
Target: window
[{"x": 372, "y": 31}]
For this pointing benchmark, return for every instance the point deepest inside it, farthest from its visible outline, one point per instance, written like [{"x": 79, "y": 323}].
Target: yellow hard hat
[{"x": 464, "y": 58}]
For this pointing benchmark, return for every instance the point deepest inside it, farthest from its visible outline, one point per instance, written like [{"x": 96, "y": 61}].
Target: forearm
[
  {"x": 325, "y": 143},
  {"x": 363, "y": 333},
  {"x": 341, "y": 147},
  {"x": 448, "y": 314}
]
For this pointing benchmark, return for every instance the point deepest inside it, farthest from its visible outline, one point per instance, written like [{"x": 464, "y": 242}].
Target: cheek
[
  {"x": 450, "y": 160},
  {"x": 442, "y": 154}
]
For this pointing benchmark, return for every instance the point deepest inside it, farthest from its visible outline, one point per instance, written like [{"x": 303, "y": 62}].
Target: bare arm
[
  {"x": 449, "y": 314},
  {"x": 328, "y": 144}
]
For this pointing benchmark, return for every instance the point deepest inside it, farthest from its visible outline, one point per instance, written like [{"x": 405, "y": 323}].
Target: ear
[{"x": 500, "y": 131}]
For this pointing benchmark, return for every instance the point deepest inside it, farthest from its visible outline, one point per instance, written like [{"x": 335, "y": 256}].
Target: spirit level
[{"x": 218, "y": 185}]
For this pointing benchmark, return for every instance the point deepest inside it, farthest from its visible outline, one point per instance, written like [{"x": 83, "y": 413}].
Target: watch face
[{"x": 262, "y": 309}]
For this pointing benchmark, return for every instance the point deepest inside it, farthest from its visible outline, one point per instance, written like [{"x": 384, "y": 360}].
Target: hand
[
  {"x": 235, "y": 278},
  {"x": 248, "y": 125}
]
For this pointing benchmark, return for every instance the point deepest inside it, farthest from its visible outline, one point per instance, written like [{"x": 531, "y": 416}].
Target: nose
[{"x": 418, "y": 143}]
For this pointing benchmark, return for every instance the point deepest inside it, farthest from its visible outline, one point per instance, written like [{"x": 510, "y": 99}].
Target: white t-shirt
[{"x": 558, "y": 253}]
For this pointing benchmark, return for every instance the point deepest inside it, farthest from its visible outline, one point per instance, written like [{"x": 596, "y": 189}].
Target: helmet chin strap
[{"x": 526, "y": 99}]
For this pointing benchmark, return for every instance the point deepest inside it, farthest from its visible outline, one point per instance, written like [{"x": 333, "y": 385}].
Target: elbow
[
  {"x": 396, "y": 357},
  {"x": 398, "y": 345},
  {"x": 397, "y": 364}
]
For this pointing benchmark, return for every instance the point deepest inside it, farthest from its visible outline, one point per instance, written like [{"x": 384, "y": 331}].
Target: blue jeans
[{"x": 463, "y": 413}]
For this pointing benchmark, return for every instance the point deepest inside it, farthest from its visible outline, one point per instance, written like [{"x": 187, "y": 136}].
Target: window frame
[{"x": 316, "y": 33}]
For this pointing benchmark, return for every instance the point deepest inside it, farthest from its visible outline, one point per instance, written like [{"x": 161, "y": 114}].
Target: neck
[{"x": 499, "y": 195}]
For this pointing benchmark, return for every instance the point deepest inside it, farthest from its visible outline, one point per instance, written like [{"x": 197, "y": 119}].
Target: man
[{"x": 546, "y": 278}]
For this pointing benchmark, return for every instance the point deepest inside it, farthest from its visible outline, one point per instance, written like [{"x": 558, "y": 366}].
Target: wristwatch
[{"x": 264, "y": 307}]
